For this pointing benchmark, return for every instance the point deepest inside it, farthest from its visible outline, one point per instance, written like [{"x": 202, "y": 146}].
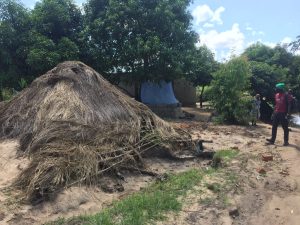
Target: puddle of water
[{"x": 296, "y": 120}]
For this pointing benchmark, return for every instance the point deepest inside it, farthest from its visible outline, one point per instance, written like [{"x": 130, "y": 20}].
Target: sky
[{"x": 229, "y": 26}]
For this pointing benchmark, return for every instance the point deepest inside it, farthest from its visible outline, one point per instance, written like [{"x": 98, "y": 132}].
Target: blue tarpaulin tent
[{"x": 158, "y": 93}]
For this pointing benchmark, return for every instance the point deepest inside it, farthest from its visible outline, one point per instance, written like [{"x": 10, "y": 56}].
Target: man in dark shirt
[{"x": 281, "y": 112}]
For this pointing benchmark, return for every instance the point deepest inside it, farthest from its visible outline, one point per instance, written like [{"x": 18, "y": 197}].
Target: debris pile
[{"x": 74, "y": 126}]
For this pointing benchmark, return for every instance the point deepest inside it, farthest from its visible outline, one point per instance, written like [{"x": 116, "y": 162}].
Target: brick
[
  {"x": 267, "y": 158},
  {"x": 261, "y": 171}
]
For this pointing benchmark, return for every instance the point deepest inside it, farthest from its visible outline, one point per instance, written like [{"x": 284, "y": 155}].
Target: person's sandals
[{"x": 270, "y": 142}]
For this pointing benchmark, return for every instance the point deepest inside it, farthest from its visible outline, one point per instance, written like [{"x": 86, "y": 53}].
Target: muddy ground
[{"x": 270, "y": 198}]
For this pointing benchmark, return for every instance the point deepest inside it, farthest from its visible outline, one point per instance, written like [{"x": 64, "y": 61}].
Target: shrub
[
  {"x": 22, "y": 83},
  {"x": 6, "y": 94},
  {"x": 228, "y": 92}
]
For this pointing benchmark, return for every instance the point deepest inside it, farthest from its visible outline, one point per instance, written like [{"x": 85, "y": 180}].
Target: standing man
[
  {"x": 255, "y": 111},
  {"x": 280, "y": 114}
]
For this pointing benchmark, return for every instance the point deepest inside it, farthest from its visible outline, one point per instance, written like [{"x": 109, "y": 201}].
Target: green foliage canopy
[
  {"x": 270, "y": 66},
  {"x": 147, "y": 39},
  {"x": 295, "y": 45},
  {"x": 32, "y": 42},
  {"x": 201, "y": 64},
  {"x": 264, "y": 78},
  {"x": 56, "y": 19},
  {"x": 228, "y": 91},
  {"x": 57, "y": 25},
  {"x": 14, "y": 26}
]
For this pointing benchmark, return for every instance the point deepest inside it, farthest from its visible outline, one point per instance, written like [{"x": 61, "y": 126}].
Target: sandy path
[
  {"x": 283, "y": 206},
  {"x": 10, "y": 164}
]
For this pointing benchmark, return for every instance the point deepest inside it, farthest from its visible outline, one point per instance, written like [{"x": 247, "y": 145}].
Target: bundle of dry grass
[{"x": 74, "y": 125}]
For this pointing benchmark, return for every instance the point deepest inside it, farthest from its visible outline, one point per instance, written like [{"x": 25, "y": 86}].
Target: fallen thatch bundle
[{"x": 74, "y": 125}]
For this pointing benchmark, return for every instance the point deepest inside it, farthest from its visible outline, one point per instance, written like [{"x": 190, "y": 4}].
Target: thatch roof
[{"x": 75, "y": 125}]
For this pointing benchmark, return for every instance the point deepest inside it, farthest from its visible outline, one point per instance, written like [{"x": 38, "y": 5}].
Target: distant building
[
  {"x": 165, "y": 99},
  {"x": 185, "y": 92}
]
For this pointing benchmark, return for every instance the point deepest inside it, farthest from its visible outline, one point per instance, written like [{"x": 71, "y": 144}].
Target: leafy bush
[
  {"x": 22, "y": 83},
  {"x": 6, "y": 94},
  {"x": 228, "y": 92}
]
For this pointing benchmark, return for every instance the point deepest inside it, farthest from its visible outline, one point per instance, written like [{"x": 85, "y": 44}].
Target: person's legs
[
  {"x": 274, "y": 128},
  {"x": 285, "y": 126},
  {"x": 253, "y": 121},
  {"x": 253, "y": 116}
]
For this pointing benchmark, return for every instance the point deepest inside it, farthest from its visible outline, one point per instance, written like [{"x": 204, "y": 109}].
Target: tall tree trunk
[{"x": 201, "y": 96}]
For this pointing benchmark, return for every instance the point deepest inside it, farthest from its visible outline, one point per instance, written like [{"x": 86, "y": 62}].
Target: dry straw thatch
[{"x": 74, "y": 125}]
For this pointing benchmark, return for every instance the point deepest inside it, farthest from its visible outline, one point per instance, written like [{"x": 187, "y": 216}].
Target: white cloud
[
  {"x": 286, "y": 40},
  {"x": 267, "y": 43},
  {"x": 250, "y": 43},
  {"x": 203, "y": 13},
  {"x": 208, "y": 25},
  {"x": 249, "y": 28},
  {"x": 224, "y": 42},
  {"x": 217, "y": 15},
  {"x": 253, "y": 33}
]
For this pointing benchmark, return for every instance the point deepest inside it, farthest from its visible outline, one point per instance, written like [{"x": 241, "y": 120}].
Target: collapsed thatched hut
[{"x": 74, "y": 125}]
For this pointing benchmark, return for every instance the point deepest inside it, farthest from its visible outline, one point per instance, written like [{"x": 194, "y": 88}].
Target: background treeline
[{"x": 129, "y": 41}]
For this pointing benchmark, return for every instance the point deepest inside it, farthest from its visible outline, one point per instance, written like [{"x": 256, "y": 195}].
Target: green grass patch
[
  {"x": 223, "y": 156},
  {"x": 6, "y": 94},
  {"x": 228, "y": 181},
  {"x": 160, "y": 198},
  {"x": 214, "y": 187},
  {"x": 227, "y": 154},
  {"x": 207, "y": 201},
  {"x": 148, "y": 205},
  {"x": 224, "y": 200}
]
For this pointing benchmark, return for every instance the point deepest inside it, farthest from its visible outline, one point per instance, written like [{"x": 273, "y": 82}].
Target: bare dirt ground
[
  {"x": 269, "y": 199},
  {"x": 272, "y": 198}
]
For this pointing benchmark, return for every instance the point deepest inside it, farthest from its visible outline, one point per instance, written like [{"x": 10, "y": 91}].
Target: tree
[
  {"x": 32, "y": 42},
  {"x": 281, "y": 56},
  {"x": 228, "y": 91},
  {"x": 259, "y": 52},
  {"x": 140, "y": 39},
  {"x": 57, "y": 19},
  {"x": 201, "y": 64},
  {"x": 295, "y": 45},
  {"x": 57, "y": 25},
  {"x": 293, "y": 78},
  {"x": 14, "y": 34},
  {"x": 42, "y": 54},
  {"x": 269, "y": 66},
  {"x": 264, "y": 78}
]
